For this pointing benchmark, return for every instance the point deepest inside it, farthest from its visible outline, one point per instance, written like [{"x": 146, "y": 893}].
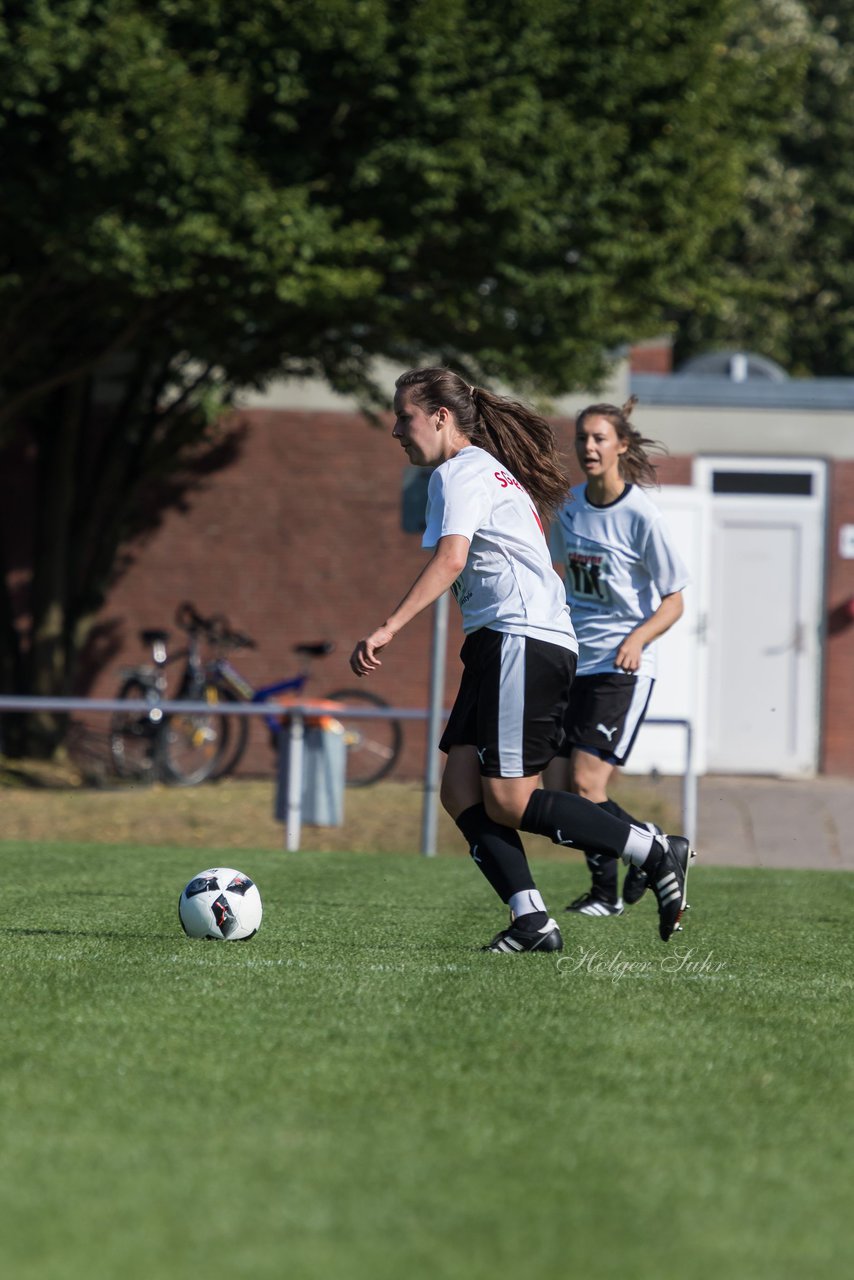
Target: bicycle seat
[
  {"x": 154, "y": 637},
  {"x": 318, "y": 650}
]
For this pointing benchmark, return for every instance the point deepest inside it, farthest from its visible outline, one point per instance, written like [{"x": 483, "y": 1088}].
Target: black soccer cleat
[
  {"x": 667, "y": 872},
  {"x": 590, "y": 904},
  {"x": 516, "y": 938},
  {"x": 635, "y": 885}
]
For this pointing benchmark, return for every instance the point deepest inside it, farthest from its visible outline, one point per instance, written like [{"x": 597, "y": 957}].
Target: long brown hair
[
  {"x": 635, "y": 464},
  {"x": 521, "y": 440}
]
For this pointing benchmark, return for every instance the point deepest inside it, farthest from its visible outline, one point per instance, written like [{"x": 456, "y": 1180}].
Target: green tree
[
  {"x": 198, "y": 194},
  {"x": 783, "y": 271}
]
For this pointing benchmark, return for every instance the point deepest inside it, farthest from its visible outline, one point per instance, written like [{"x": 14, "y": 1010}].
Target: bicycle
[
  {"x": 219, "y": 741},
  {"x": 150, "y": 746}
]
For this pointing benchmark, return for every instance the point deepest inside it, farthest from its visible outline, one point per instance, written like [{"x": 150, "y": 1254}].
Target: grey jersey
[{"x": 619, "y": 560}]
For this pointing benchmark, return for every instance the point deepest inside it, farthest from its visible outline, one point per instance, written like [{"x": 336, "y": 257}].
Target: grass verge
[{"x": 238, "y": 813}]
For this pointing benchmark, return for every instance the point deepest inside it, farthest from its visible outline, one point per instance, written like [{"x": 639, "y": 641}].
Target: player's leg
[
  {"x": 572, "y": 821},
  {"x": 589, "y": 776},
  {"x": 523, "y": 721},
  {"x": 569, "y": 820},
  {"x": 603, "y": 720},
  {"x": 513, "y": 739},
  {"x": 496, "y": 849},
  {"x": 580, "y": 766},
  {"x": 624, "y": 701}
]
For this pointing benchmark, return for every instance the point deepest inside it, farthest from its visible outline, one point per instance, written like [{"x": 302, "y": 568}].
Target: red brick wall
[
  {"x": 300, "y": 540},
  {"x": 838, "y": 699},
  {"x": 651, "y": 358}
]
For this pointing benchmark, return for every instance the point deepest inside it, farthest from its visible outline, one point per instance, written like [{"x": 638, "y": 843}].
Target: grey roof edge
[{"x": 695, "y": 389}]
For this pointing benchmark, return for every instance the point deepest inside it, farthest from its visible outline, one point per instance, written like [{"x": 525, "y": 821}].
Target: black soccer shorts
[
  {"x": 604, "y": 714},
  {"x": 511, "y": 702}
]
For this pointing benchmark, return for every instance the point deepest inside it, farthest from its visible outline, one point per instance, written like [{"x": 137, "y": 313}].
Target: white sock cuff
[
  {"x": 526, "y": 901},
  {"x": 638, "y": 846}
]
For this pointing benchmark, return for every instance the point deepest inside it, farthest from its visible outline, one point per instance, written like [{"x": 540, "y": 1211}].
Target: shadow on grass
[{"x": 109, "y": 935}]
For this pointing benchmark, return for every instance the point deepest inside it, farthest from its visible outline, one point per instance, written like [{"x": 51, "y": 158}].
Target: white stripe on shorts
[
  {"x": 634, "y": 715},
  {"x": 511, "y": 706}
]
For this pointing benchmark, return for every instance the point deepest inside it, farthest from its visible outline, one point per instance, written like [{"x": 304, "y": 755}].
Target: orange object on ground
[{"x": 323, "y": 720}]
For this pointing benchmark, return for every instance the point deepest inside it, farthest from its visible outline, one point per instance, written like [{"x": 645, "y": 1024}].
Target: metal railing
[
  {"x": 690, "y": 792},
  {"x": 293, "y": 744}
]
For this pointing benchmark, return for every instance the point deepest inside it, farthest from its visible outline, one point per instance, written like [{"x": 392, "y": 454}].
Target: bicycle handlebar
[
  {"x": 215, "y": 628},
  {"x": 188, "y": 618}
]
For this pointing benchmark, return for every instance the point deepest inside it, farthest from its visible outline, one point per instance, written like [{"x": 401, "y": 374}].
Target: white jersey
[
  {"x": 508, "y": 583},
  {"x": 619, "y": 561}
]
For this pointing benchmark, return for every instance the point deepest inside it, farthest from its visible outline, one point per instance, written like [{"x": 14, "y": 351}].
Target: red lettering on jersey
[{"x": 504, "y": 478}]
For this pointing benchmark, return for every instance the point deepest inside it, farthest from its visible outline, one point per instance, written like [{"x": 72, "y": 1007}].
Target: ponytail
[{"x": 518, "y": 437}]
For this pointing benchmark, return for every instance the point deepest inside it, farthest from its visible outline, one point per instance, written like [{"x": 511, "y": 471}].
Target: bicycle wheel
[
  {"x": 195, "y": 744},
  {"x": 373, "y": 746},
  {"x": 134, "y": 745},
  {"x": 237, "y": 732}
]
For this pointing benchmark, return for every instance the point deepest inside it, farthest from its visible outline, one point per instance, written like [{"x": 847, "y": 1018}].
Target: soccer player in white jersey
[
  {"x": 496, "y": 463},
  {"x": 624, "y": 579}
]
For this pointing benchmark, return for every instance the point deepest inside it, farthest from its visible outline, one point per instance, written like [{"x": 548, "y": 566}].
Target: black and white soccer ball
[{"x": 221, "y": 904}]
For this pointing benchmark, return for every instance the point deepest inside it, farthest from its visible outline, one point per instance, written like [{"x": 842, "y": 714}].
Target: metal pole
[
  {"x": 689, "y": 786},
  {"x": 293, "y": 820},
  {"x": 429, "y": 812}
]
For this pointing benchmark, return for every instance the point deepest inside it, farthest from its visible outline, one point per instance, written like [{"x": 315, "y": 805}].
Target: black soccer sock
[
  {"x": 570, "y": 820},
  {"x": 498, "y": 852},
  {"x": 611, "y": 806},
  {"x": 603, "y": 869}
]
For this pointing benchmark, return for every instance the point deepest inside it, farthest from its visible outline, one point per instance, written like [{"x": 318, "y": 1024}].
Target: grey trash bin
[{"x": 324, "y": 762}]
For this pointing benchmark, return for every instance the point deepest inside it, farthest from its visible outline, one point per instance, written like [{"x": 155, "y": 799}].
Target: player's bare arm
[{"x": 631, "y": 650}]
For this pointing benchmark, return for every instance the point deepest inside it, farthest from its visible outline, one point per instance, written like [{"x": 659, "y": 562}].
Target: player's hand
[
  {"x": 629, "y": 655},
  {"x": 363, "y": 659}
]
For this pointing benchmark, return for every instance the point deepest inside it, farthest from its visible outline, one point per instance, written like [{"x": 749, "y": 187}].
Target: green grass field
[{"x": 358, "y": 1092}]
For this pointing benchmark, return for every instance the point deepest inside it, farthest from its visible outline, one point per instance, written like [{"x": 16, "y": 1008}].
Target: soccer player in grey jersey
[
  {"x": 497, "y": 471},
  {"x": 624, "y": 579}
]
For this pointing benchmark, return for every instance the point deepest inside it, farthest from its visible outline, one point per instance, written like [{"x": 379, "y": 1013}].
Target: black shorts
[
  {"x": 605, "y": 712},
  {"x": 511, "y": 702}
]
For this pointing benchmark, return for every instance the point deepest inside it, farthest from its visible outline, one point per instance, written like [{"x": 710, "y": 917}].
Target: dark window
[{"x": 794, "y": 483}]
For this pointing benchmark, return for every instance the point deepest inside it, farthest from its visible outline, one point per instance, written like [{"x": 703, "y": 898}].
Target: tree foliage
[
  {"x": 199, "y": 194},
  {"x": 782, "y": 272}
]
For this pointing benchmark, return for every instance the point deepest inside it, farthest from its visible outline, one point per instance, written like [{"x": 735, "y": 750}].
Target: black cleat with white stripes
[
  {"x": 667, "y": 871},
  {"x": 590, "y": 904},
  {"x": 518, "y": 938}
]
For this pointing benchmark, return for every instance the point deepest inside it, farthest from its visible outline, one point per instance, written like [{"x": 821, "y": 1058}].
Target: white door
[
  {"x": 680, "y": 684},
  {"x": 765, "y": 607}
]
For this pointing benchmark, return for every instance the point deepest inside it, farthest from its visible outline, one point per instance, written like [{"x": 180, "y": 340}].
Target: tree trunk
[{"x": 48, "y": 668}]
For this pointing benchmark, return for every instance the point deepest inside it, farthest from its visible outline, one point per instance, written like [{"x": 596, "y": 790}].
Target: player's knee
[
  {"x": 454, "y": 796},
  {"x": 588, "y": 781},
  {"x": 503, "y": 811},
  {"x": 580, "y": 787}
]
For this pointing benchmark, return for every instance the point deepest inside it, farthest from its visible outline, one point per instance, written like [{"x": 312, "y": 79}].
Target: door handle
[{"x": 798, "y": 644}]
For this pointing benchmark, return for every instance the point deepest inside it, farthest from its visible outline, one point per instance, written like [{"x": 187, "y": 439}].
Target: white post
[
  {"x": 429, "y": 812},
  {"x": 689, "y": 787},
  {"x": 293, "y": 818}
]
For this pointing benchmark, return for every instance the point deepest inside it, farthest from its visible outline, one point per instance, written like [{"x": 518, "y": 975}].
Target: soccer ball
[{"x": 220, "y": 903}]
